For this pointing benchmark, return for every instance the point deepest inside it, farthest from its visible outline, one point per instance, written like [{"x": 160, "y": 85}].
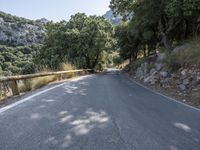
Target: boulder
[
  {"x": 164, "y": 74},
  {"x": 186, "y": 81},
  {"x": 151, "y": 79},
  {"x": 152, "y": 71},
  {"x": 182, "y": 87}
]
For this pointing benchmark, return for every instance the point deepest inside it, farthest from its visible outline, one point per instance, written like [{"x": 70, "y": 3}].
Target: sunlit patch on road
[{"x": 182, "y": 126}]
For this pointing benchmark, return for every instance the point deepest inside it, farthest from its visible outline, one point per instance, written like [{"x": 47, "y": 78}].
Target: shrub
[
  {"x": 42, "y": 81},
  {"x": 117, "y": 60},
  {"x": 171, "y": 62},
  {"x": 66, "y": 67},
  {"x": 29, "y": 68},
  {"x": 188, "y": 54}
]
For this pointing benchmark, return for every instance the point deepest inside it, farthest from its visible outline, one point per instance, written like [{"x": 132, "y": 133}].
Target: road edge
[
  {"x": 44, "y": 90},
  {"x": 167, "y": 97}
]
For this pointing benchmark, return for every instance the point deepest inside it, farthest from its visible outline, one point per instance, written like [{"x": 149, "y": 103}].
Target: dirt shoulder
[{"x": 171, "y": 91}]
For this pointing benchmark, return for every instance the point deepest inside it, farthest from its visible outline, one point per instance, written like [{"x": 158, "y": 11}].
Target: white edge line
[
  {"x": 2, "y": 110},
  {"x": 28, "y": 98},
  {"x": 172, "y": 99}
]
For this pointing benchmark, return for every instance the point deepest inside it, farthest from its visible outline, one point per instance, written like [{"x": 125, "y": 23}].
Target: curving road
[{"x": 99, "y": 112}]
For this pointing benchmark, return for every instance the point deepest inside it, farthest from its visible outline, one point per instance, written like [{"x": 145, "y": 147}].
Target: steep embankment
[
  {"x": 20, "y": 38},
  {"x": 176, "y": 74}
]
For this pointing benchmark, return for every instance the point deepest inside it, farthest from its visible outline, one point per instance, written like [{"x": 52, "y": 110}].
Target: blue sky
[{"x": 55, "y": 10}]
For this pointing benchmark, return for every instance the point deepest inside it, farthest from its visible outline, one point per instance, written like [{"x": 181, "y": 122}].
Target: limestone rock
[
  {"x": 186, "y": 81},
  {"x": 182, "y": 87},
  {"x": 164, "y": 74}
]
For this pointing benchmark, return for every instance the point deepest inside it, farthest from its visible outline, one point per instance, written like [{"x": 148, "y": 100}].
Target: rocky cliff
[
  {"x": 16, "y": 31},
  {"x": 115, "y": 20}
]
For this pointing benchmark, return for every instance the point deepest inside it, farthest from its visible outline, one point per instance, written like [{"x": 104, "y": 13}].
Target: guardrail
[{"x": 13, "y": 79}]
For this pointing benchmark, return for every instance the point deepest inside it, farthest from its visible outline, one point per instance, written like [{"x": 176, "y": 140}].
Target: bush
[
  {"x": 14, "y": 69},
  {"x": 187, "y": 54},
  {"x": 117, "y": 60},
  {"x": 172, "y": 62},
  {"x": 66, "y": 67},
  {"x": 29, "y": 68}
]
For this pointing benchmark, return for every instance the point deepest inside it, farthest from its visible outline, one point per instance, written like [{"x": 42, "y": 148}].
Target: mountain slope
[
  {"x": 16, "y": 31},
  {"x": 110, "y": 17}
]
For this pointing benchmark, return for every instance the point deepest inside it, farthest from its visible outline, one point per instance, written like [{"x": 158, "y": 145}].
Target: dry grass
[
  {"x": 32, "y": 84},
  {"x": 35, "y": 83},
  {"x": 42, "y": 81},
  {"x": 4, "y": 92},
  {"x": 66, "y": 67},
  {"x": 123, "y": 64},
  {"x": 189, "y": 54}
]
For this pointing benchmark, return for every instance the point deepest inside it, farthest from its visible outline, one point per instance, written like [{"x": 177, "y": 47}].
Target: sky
[{"x": 55, "y": 10}]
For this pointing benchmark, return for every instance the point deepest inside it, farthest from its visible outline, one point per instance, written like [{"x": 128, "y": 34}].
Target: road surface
[{"x": 99, "y": 112}]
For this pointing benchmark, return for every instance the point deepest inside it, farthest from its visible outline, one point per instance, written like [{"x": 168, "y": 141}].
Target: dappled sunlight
[
  {"x": 51, "y": 140},
  {"x": 72, "y": 89},
  {"x": 182, "y": 126},
  {"x": 67, "y": 141},
  {"x": 173, "y": 148},
  {"x": 41, "y": 106},
  {"x": 48, "y": 100},
  {"x": 90, "y": 120},
  {"x": 66, "y": 119},
  {"x": 35, "y": 116},
  {"x": 82, "y": 78},
  {"x": 75, "y": 126},
  {"x": 62, "y": 113}
]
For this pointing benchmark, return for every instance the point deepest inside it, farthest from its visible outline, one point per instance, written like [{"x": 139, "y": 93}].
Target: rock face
[
  {"x": 184, "y": 80},
  {"x": 20, "y": 31},
  {"x": 110, "y": 17}
]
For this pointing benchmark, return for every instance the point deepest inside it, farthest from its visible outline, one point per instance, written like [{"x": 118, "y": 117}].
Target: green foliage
[
  {"x": 29, "y": 68},
  {"x": 19, "y": 20},
  {"x": 117, "y": 60},
  {"x": 17, "y": 60},
  {"x": 182, "y": 7},
  {"x": 155, "y": 22},
  {"x": 79, "y": 41}
]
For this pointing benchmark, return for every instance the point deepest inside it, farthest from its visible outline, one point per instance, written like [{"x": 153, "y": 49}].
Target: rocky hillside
[
  {"x": 16, "y": 31},
  {"x": 110, "y": 17},
  {"x": 177, "y": 74}
]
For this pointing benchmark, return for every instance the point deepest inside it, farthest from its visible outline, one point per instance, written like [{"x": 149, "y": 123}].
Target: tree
[
  {"x": 79, "y": 41},
  {"x": 169, "y": 21}
]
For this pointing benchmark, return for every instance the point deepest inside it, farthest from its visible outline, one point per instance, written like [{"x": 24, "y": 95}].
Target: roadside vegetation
[
  {"x": 151, "y": 24},
  {"x": 161, "y": 40}
]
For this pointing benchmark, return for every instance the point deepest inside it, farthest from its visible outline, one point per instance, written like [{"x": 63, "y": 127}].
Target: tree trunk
[
  {"x": 166, "y": 42},
  {"x": 96, "y": 61}
]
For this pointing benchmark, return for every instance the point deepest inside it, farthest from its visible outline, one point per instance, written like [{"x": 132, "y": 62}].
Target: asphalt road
[{"x": 99, "y": 112}]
